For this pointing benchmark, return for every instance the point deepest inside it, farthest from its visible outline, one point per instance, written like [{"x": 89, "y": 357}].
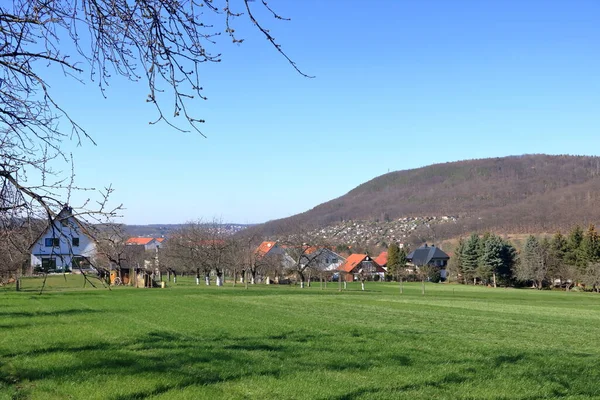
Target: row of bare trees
[{"x": 206, "y": 249}]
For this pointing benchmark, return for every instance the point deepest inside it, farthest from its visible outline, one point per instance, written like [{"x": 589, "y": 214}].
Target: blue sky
[{"x": 399, "y": 85}]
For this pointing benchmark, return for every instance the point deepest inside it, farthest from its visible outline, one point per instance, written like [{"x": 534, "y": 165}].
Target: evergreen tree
[
  {"x": 590, "y": 246},
  {"x": 573, "y": 256},
  {"x": 455, "y": 267},
  {"x": 392, "y": 260},
  {"x": 509, "y": 260},
  {"x": 558, "y": 263},
  {"x": 534, "y": 262},
  {"x": 470, "y": 257},
  {"x": 491, "y": 259}
]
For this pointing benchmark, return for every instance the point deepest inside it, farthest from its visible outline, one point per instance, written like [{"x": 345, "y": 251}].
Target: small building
[
  {"x": 361, "y": 264},
  {"x": 148, "y": 242},
  {"x": 322, "y": 259},
  {"x": 430, "y": 255},
  {"x": 64, "y": 246}
]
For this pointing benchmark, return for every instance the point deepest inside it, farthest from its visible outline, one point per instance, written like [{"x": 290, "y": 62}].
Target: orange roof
[
  {"x": 160, "y": 240},
  {"x": 352, "y": 261},
  {"x": 310, "y": 249},
  {"x": 264, "y": 248},
  {"x": 382, "y": 258},
  {"x": 139, "y": 240}
]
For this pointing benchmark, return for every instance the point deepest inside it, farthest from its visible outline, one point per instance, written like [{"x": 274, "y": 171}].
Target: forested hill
[{"x": 528, "y": 194}]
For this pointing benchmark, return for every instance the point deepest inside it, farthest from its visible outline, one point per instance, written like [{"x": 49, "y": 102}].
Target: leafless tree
[
  {"x": 304, "y": 251},
  {"x": 161, "y": 43},
  {"x": 112, "y": 252},
  {"x": 201, "y": 248}
]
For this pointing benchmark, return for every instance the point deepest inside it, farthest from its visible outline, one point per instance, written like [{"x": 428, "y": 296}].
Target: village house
[
  {"x": 64, "y": 246},
  {"x": 361, "y": 264},
  {"x": 148, "y": 242},
  {"x": 429, "y": 255},
  {"x": 322, "y": 259}
]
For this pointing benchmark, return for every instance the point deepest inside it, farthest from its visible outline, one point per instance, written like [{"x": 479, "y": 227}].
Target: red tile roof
[
  {"x": 160, "y": 240},
  {"x": 355, "y": 259},
  {"x": 352, "y": 261},
  {"x": 382, "y": 258},
  {"x": 139, "y": 240},
  {"x": 264, "y": 248}
]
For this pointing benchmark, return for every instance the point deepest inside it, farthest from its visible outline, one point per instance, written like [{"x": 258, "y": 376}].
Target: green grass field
[{"x": 269, "y": 342}]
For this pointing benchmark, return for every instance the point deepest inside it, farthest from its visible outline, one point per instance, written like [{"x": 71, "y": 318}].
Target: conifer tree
[
  {"x": 491, "y": 259},
  {"x": 392, "y": 260},
  {"x": 455, "y": 267},
  {"x": 590, "y": 245},
  {"x": 533, "y": 265},
  {"x": 470, "y": 257},
  {"x": 573, "y": 256}
]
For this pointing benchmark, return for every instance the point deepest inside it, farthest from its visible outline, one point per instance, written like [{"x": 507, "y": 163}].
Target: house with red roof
[
  {"x": 148, "y": 242},
  {"x": 357, "y": 264}
]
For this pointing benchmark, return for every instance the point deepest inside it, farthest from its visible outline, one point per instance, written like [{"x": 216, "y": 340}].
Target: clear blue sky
[{"x": 399, "y": 85}]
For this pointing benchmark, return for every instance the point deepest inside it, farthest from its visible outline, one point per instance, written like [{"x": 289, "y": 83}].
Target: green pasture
[{"x": 283, "y": 342}]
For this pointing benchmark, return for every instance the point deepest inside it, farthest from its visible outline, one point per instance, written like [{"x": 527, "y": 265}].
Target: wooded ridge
[{"x": 518, "y": 194}]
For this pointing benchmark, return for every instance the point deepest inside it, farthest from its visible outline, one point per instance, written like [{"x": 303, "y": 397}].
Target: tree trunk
[
  {"x": 219, "y": 279},
  {"x": 362, "y": 285},
  {"x": 401, "y": 287},
  {"x": 234, "y": 277},
  {"x": 308, "y": 278},
  {"x": 474, "y": 281},
  {"x": 423, "y": 286},
  {"x": 494, "y": 278},
  {"x": 197, "y": 276},
  {"x": 345, "y": 285},
  {"x": 207, "y": 279}
]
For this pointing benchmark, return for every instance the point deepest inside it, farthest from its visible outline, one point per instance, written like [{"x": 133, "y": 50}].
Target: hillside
[{"x": 530, "y": 193}]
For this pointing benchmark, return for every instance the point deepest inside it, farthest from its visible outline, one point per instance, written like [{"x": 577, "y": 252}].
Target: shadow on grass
[
  {"x": 57, "y": 313},
  {"x": 158, "y": 362}
]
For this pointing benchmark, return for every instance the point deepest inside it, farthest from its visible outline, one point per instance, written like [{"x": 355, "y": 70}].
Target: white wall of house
[{"x": 58, "y": 243}]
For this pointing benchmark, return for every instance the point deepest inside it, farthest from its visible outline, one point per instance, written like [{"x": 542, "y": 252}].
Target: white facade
[
  {"x": 326, "y": 260},
  {"x": 62, "y": 244}
]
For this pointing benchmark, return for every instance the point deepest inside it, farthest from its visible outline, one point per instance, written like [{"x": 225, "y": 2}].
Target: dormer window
[
  {"x": 51, "y": 242},
  {"x": 75, "y": 242}
]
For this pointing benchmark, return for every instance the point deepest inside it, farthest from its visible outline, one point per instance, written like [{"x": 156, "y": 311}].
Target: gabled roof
[
  {"x": 64, "y": 214},
  {"x": 382, "y": 258},
  {"x": 264, "y": 248},
  {"x": 139, "y": 240},
  {"x": 423, "y": 255},
  {"x": 355, "y": 259},
  {"x": 160, "y": 240}
]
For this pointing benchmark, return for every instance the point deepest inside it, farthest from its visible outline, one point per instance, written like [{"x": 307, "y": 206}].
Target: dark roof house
[{"x": 428, "y": 255}]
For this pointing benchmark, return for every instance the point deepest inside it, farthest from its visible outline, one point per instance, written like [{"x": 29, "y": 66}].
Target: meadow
[{"x": 283, "y": 342}]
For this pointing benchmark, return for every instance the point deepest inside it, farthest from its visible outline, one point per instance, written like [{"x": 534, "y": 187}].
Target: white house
[
  {"x": 322, "y": 259},
  {"x": 64, "y": 246}
]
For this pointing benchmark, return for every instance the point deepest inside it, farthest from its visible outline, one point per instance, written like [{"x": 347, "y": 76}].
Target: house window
[
  {"x": 334, "y": 260},
  {"x": 51, "y": 242},
  {"x": 75, "y": 242}
]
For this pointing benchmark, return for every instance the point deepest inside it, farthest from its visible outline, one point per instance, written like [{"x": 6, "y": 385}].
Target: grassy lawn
[{"x": 269, "y": 342}]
